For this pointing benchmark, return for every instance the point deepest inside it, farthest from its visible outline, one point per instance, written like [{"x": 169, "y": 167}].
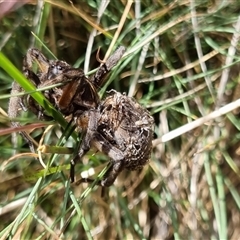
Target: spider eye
[{"x": 56, "y": 69}]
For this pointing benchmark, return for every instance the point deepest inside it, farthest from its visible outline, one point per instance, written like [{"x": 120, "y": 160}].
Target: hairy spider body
[
  {"x": 123, "y": 128},
  {"x": 117, "y": 129}
]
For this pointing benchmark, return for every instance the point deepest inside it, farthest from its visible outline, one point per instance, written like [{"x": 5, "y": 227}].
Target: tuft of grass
[{"x": 182, "y": 63}]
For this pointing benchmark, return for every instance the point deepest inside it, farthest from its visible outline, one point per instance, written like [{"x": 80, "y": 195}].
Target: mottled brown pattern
[
  {"x": 123, "y": 130},
  {"x": 117, "y": 126}
]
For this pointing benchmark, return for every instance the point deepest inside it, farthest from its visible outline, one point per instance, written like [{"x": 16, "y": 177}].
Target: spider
[
  {"x": 51, "y": 72},
  {"x": 118, "y": 126},
  {"x": 122, "y": 129}
]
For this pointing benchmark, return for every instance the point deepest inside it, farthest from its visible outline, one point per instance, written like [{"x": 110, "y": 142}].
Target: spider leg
[
  {"x": 19, "y": 101},
  {"x": 108, "y": 178},
  {"x": 101, "y": 144},
  {"x": 99, "y": 77},
  {"x": 34, "y": 55},
  {"x": 84, "y": 148},
  {"x": 117, "y": 159},
  {"x": 93, "y": 117},
  {"x": 93, "y": 138},
  {"x": 112, "y": 173}
]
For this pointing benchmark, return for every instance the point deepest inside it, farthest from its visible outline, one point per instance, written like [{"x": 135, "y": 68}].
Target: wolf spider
[{"x": 117, "y": 126}]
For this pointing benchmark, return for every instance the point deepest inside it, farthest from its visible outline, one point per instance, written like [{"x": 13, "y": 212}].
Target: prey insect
[{"x": 118, "y": 126}]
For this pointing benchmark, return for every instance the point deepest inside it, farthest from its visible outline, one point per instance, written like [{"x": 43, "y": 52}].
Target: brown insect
[{"x": 117, "y": 126}]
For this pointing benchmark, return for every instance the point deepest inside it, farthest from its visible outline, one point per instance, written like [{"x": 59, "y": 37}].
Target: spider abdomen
[{"x": 129, "y": 127}]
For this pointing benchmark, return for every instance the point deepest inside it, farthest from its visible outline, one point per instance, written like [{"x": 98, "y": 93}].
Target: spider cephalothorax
[{"x": 75, "y": 92}]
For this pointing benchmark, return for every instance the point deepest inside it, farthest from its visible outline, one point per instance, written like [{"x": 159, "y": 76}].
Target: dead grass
[{"x": 182, "y": 63}]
